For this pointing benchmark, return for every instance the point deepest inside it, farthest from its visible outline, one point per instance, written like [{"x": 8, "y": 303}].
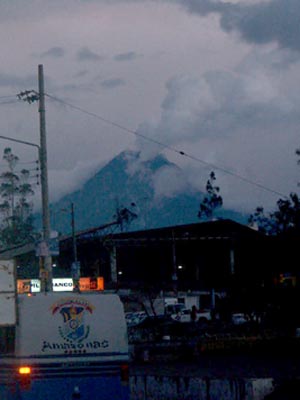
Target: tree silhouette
[
  {"x": 212, "y": 200},
  {"x": 16, "y": 210},
  {"x": 284, "y": 220}
]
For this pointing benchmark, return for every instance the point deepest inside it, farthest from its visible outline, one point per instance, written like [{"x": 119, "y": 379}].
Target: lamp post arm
[{"x": 21, "y": 141}]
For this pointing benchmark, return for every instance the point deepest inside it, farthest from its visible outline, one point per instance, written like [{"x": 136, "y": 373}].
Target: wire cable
[
  {"x": 168, "y": 147},
  {"x": 2, "y": 165},
  {"x": 8, "y": 102},
  {"x": 8, "y": 96}
]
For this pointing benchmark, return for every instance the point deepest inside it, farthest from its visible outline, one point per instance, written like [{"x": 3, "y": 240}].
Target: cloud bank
[
  {"x": 229, "y": 119},
  {"x": 264, "y": 22},
  {"x": 170, "y": 68},
  {"x": 67, "y": 181}
]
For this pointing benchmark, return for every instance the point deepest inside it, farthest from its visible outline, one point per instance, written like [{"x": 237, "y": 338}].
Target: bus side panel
[
  {"x": 55, "y": 325},
  {"x": 91, "y": 388},
  {"x": 8, "y": 392}
]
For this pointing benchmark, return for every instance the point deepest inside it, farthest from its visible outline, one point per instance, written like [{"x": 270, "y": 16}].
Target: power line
[
  {"x": 8, "y": 96},
  {"x": 168, "y": 147},
  {"x": 35, "y": 171},
  {"x": 8, "y": 102},
  {"x": 21, "y": 163}
]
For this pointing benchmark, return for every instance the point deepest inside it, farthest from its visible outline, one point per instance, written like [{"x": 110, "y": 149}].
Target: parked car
[
  {"x": 135, "y": 318},
  {"x": 238, "y": 318},
  {"x": 184, "y": 315}
]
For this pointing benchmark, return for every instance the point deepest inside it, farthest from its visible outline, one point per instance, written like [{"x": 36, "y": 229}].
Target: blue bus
[{"x": 65, "y": 346}]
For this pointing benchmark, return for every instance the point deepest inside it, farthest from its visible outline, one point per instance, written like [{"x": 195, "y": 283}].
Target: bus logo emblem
[{"x": 73, "y": 311}]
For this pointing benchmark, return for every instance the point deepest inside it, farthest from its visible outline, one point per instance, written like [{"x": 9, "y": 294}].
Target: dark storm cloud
[
  {"x": 112, "y": 83},
  {"x": 8, "y": 80},
  {"x": 131, "y": 55},
  {"x": 268, "y": 21},
  {"x": 55, "y": 52},
  {"x": 85, "y": 54}
]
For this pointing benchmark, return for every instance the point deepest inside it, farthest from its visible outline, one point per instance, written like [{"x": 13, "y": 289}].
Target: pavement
[{"x": 223, "y": 367}]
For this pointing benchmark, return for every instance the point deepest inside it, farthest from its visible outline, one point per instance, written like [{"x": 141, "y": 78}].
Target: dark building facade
[
  {"x": 215, "y": 254},
  {"x": 194, "y": 256}
]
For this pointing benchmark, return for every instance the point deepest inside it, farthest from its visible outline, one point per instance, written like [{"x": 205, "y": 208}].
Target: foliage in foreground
[
  {"x": 16, "y": 226},
  {"x": 212, "y": 200},
  {"x": 284, "y": 220}
]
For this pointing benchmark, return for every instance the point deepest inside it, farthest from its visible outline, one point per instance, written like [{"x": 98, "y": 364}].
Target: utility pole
[
  {"x": 75, "y": 265},
  {"x": 174, "y": 259},
  {"x": 73, "y": 234},
  {"x": 45, "y": 260},
  {"x": 31, "y": 96}
]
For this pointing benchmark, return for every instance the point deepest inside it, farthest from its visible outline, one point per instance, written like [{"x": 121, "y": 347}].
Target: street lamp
[{"x": 21, "y": 141}]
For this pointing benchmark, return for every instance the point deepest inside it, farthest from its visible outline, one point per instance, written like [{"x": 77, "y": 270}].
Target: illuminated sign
[
  {"x": 287, "y": 279},
  {"x": 23, "y": 286},
  {"x": 61, "y": 285},
  {"x": 89, "y": 284},
  {"x": 35, "y": 285}
]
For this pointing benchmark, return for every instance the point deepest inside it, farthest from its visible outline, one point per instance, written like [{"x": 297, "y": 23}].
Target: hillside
[{"x": 121, "y": 183}]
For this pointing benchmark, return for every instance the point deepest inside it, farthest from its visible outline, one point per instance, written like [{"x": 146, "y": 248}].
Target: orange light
[
  {"x": 24, "y": 370},
  {"x": 91, "y": 284}
]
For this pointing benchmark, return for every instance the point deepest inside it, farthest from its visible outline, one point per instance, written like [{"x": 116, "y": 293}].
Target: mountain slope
[{"x": 125, "y": 182}]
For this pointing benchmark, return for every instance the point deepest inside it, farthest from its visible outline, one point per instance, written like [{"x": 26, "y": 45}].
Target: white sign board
[
  {"x": 62, "y": 284},
  {"x": 7, "y": 280},
  {"x": 7, "y": 309},
  {"x": 35, "y": 285}
]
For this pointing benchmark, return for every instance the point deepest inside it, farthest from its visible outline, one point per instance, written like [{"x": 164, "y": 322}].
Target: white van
[{"x": 65, "y": 346}]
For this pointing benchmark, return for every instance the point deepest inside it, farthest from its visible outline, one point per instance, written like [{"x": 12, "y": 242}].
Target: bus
[{"x": 65, "y": 346}]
